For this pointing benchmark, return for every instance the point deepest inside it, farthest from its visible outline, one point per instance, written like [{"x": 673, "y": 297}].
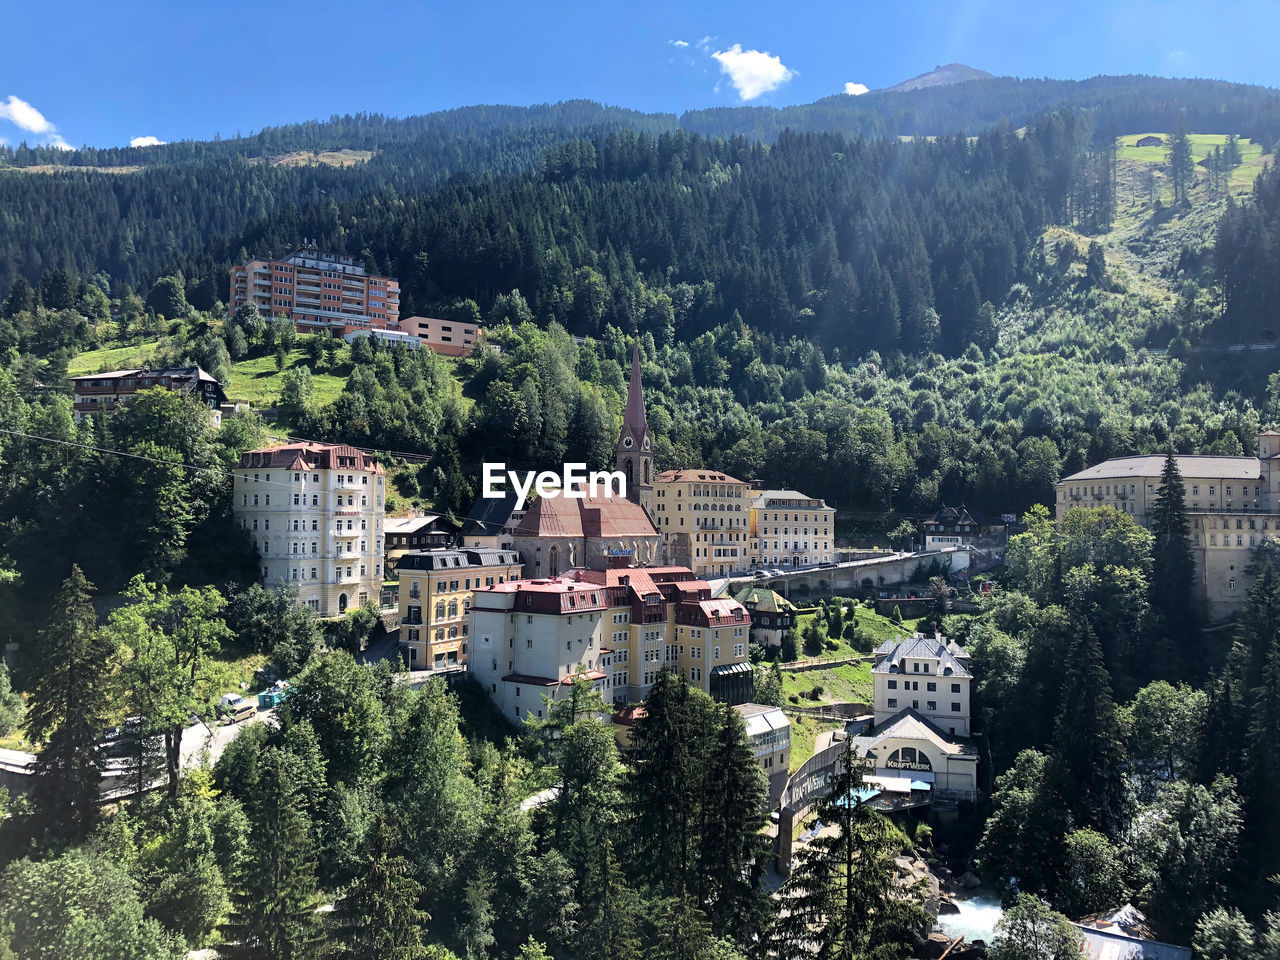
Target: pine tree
[
  {"x": 1182, "y": 169},
  {"x": 275, "y": 908},
  {"x": 68, "y": 706},
  {"x": 1089, "y": 756},
  {"x": 1261, "y": 780},
  {"x": 378, "y": 918},
  {"x": 733, "y": 850},
  {"x": 844, "y": 900},
  {"x": 1173, "y": 573}
]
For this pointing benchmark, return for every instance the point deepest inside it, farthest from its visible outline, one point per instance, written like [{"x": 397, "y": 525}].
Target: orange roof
[{"x": 307, "y": 455}]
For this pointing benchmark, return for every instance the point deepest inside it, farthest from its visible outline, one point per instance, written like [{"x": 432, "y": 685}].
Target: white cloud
[
  {"x": 678, "y": 43},
  {"x": 26, "y": 117},
  {"x": 855, "y": 89},
  {"x": 145, "y": 142},
  {"x": 23, "y": 115},
  {"x": 752, "y": 72},
  {"x": 705, "y": 42}
]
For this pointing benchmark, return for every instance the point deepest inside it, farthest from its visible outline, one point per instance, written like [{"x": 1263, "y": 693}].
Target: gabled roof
[
  {"x": 762, "y": 498},
  {"x": 764, "y": 600},
  {"x": 311, "y": 456},
  {"x": 599, "y": 517},
  {"x": 488, "y": 515},
  {"x": 909, "y": 724},
  {"x": 404, "y": 525}
]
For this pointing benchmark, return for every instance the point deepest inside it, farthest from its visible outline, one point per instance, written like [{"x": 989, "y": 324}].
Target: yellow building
[
  {"x": 315, "y": 513},
  {"x": 789, "y": 528},
  {"x": 1233, "y": 504},
  {"x": 703, "y": 520},
  {"x": 436, "y": 590}
]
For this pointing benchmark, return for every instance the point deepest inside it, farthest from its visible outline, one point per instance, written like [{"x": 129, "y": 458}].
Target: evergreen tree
[
  {"x": 378, "y": 917},
  {"x": 843, "y": 899},
  {"x": 1182, "y": 168},
  {"x": 734, "y": 850},
  {"x": 1261, "y": 779},
  {"x": 69, "y": 701},
  {"x": 275, "y": 907},
  {"x": 1173, "y": 573},
  {"x": 1089, "y": 755}
]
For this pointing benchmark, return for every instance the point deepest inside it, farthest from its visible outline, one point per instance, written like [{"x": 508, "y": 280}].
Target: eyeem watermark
[{"x": 574, "y": 482}]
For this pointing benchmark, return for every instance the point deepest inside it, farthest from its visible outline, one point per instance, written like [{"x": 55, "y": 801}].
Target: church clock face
[{"x": 628, "y": 442}]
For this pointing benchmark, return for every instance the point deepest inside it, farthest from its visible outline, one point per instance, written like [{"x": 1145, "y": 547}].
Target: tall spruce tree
[
  {"x": 733, "y": 851},
  {"x": 1173, "y": 575},
  {"x": 69, "y": 701},
  {"x": 1182, "y": 167},
  {"x": 275, "y": 907},
  {"x": 1089, "y": 753},
  {"x": 378, "y": 917},
  {"x": 665, "y": 781},
  {"x": 844, "y": 899}
]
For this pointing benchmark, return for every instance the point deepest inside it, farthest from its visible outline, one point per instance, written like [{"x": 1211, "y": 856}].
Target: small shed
[{"x": 1150, "y": 141}]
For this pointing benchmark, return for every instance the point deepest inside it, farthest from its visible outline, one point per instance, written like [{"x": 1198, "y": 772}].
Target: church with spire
[{"x": 635, "y": 447}]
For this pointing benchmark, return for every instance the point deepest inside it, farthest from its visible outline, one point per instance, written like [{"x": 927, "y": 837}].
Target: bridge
[{"x": 850, "y": 576}]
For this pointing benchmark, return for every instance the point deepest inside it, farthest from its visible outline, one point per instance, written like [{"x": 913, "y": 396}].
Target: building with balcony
[
  {"x": 1233, "y": 504},
  {"x": 619, "y": 628},
  {"x": 436, "y": 590},
  {"x": 789, "y": 528},
  {"x": 105, "y": 392},
  {"x": 315, "y": 513},
  {"x": 703, "y": 518},
  {"x": 317, "y": 291}
]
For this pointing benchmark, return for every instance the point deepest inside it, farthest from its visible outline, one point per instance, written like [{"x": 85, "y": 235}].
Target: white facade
[
  {"x": 317, "y": 528},
  {"x": 927, "y": 675},
  {"x": 788, "y": 528}
]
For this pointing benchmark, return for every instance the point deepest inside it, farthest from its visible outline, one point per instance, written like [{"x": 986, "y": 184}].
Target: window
[
  {"x": 931, "y": 687},
  {"x": 893, "y": 684},
  {"x": 955, "y": 707},
  {"x": 955, "y": 688},
  {"x": 893, "y": 702},
  {"x": 931, "y": 704}
]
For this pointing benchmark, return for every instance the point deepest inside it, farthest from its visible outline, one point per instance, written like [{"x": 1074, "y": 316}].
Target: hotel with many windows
[
  {"x": 315, "y": 513},
  {"x": 318, "y": 291}
]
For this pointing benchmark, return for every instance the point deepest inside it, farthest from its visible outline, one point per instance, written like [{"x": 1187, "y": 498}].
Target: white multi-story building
[
  {"x": 315, "y": 513},
  {"x": 790, "y": 528},
  {"x": 929, "y": 675}
]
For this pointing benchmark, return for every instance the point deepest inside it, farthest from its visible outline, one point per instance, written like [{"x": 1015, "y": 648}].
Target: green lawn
[
  {"x": 112, "y": 358},
  {"x": 804, "y": 731},
  {"x": 847, "y": 683},
  {"x": 1201, "y": 144},
  {"x": 258, "y": 380}
]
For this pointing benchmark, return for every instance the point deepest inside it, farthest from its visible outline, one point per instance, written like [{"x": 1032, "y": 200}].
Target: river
[{"x": 979, "y": 913}]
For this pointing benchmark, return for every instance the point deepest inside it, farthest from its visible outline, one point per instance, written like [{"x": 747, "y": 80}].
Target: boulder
[{"x": 947, "y": 905}]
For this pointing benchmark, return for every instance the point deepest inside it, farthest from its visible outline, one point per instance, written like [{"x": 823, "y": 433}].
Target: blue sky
[{"x": 106, "y": 73}]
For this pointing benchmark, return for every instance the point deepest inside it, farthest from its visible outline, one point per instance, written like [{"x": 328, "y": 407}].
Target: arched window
[
  {"x": 555, "y": 551},
  {"x": 342, "y": 603}
]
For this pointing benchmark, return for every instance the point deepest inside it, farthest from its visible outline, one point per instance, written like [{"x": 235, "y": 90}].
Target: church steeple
[{"x": 635, "y": 449}]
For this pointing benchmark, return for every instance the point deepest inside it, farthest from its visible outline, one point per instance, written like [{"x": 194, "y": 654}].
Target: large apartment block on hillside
[
  {"x": 788, "y": 527},
  {"x": 315, "y": 513},
  {"x": 318, "y": 291},
  {"x": 436, "y": 591},
  {"x": 1233, "y": 502},
  {"x": 104, "y": 392},
  {"x": 618, "y": 627}
]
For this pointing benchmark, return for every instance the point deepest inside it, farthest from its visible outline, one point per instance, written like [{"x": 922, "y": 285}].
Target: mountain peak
[{"x": 940, "y": 77}]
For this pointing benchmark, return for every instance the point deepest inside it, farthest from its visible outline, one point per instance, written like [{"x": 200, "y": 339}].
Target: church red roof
[{"x": 602, "y": 517}]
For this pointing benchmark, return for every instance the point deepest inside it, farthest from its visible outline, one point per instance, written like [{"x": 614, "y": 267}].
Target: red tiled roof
[{"x": 309, "y": 456}]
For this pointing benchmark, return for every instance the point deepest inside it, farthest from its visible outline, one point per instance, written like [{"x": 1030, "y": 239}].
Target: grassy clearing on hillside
[
  {"x": 847, "y": 683},
  {"x": 1201, "y": 144},
  {"x": 112, "y": 358},
  {"x": 804, "y": 731},
  {"x": 259, "y": 382}
]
